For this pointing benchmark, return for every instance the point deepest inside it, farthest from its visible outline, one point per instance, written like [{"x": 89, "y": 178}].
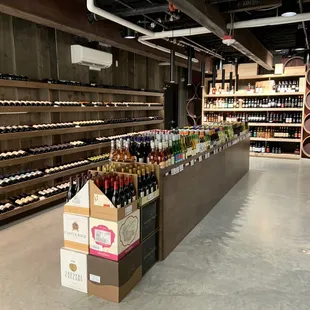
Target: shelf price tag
[
  {"x": 200, "y": 158},
  {"x": 181, "y": 168},
  {"x": 192, "y": 162}
]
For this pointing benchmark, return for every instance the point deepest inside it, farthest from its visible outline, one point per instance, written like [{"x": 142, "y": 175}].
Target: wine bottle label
[
  {"x": 142, "y": 194},
  {"x": 141, "y": 160},
  {"x": 133, "y": 198}
]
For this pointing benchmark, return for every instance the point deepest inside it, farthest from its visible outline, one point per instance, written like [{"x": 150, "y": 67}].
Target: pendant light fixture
[
  {"x": 300, "y": 39},
  {"x": 289, "y": 8}
]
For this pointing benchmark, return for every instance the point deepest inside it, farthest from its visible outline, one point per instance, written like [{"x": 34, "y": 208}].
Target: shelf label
[
  {"x": 150, "y": 196},
  {"x": 94, "y": 278},
  {"x": 200, "y": 158},
  {"x": 192, "y": 162},
  {"x": 128, "y": 210},
  {"x": 181, "y": 168}
]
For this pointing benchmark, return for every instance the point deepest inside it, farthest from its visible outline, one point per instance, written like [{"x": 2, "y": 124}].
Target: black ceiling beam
[
  {"x": 147, "y": 10},
  {"x": 208, "y": 16}
]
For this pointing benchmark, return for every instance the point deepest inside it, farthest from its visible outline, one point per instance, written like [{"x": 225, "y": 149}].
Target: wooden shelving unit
[
  {"x": 245, "y": 95},
  {"x": 25, "y": 159},
  {"x": 272, "y": 155},
  {"x": 274, "y": 125},
  {"x": 77, "y": 109},
  {"x": 243, "y": 82},
  {"x": 32, "y": 206},
  {"x": 49, "y": 177},
  {"x": 276, "y": 140},
  {"x": 254, "y": 110},
  {"x": 264, "y": 77},
  {"x": 98, "y": 90},
  {"x": 41, "y": 133},
  {"x": 39, "y": 91}
]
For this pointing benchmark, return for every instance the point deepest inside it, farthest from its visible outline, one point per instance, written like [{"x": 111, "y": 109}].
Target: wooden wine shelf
[
  {"x": 276, "y": 139},
  {"x": 255, "y": 110},
  {"x": 49, "y": 177},
  {"x": 272, "y": 155},
  {"x": 30, "y": 158},
  {"x": 32, "y": 206},
  {"x": 274, "y": 125},
  {"x": 255, "y": 95},
  {"x": 77, "y": 109},
  {"x": 36, "y": 133},
  {"x": 41, "y": 85},
  {"x": 263, "y": 76}
]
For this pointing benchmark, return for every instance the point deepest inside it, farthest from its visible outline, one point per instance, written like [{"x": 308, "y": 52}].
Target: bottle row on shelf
[
  {"x": 14, "y": 77},
  {"x": 280, "y": 132},
  {"x": 273, "y": 102},
  {"x": 76, "y": 124},
  {"x": 23, "y": 176},
  {"x": 26, "y": 103},
  {"x": 262, "y": 117},
  {"x": 273, "y": 148},
  {"x": 23, "y": 200},
  {"x": 167, "y": 147}
]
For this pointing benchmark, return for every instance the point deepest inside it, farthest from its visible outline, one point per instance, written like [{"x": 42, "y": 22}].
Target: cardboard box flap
[
  {"x": 99, "y": 199},
  {"x": 81, "y": 199}
]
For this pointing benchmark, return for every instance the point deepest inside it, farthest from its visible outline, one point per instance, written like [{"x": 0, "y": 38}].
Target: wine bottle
[
  {"x": 116, "y": 198},
  {"x": 71, "y": 190}
]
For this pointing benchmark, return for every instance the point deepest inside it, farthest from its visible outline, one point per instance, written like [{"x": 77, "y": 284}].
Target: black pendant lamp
[
  {"x": 289, "y": 8},
  {"x": 300, "y": 39}
]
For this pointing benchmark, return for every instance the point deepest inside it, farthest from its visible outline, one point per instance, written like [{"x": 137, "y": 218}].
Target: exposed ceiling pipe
[
  {"x": 96, "y": 10},
  {"x": 304, "y": 25},
  {"x": 166, "y": 50},
  {"x": 259, "y": 22}
]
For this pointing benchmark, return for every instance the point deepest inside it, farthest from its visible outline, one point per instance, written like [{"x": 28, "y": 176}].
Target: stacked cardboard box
[{"x": 102, "y": 255}]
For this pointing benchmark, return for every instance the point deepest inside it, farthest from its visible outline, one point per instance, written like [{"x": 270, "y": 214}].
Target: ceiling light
[
  {"x": 289, "y": 8},
  {"x": 300, "y": 39},
  {"x": 128, "y": 33}
]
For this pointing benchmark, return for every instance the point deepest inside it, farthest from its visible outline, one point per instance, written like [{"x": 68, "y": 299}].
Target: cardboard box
[
  {"x": 113, "y": 240},
  {"x": 76, "y": 232},
  {"x": 295, "y": 70},
  {"x": 73, "y": 266},
  {"x": 302, "y": 84},
  {"x": 278, "y": 69},
  {"x": 149, "y": 220},
  {"x": 79, "y": 204},
  {"x": 248, "y": 69},
  {"x": 228, "y": 68},
  {"x": 102, "y": 208},
  {"x": 114, "y": 280},
  {"x": 149, "y": 252}
]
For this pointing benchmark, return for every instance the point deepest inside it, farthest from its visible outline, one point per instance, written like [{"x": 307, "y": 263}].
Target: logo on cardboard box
[
  {"x": 75, "y": 226},
  {"x": 128, "y": 230}
]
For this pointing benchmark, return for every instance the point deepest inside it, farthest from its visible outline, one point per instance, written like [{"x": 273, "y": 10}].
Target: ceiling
[{"x": 158, "y": 18}]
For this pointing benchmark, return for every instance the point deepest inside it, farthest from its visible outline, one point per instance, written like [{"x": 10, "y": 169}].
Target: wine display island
[{"x": 188, "y": 191}]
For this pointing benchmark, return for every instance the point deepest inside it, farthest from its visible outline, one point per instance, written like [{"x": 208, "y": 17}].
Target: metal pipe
[
  {"x": 304, "y": 25},
  {"x": 189, "y": 67},
  {"x": 203, "y": 73},
  {"x": 259, "y": 22},
  {"x": 165, "y": 50},
  {"x": 96, "y": 10},
  {"x": 172, "y": 65}
]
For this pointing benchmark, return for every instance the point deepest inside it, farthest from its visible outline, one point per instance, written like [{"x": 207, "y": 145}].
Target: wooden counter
[{"x": 188, "y": 196}]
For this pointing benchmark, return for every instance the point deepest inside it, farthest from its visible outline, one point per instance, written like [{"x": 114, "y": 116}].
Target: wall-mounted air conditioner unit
[{"x": 94, "y": 59}]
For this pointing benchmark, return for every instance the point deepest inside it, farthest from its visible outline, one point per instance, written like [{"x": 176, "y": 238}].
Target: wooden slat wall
[{"x": 40, "y": 52}]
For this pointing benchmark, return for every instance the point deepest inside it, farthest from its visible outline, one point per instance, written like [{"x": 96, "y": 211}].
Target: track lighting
[
  {"x": 128, "y": 33},
  {"x": 289, "y": 8}
]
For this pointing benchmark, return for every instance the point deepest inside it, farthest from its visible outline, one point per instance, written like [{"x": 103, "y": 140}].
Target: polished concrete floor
[{"x": 252, "y": 251}]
